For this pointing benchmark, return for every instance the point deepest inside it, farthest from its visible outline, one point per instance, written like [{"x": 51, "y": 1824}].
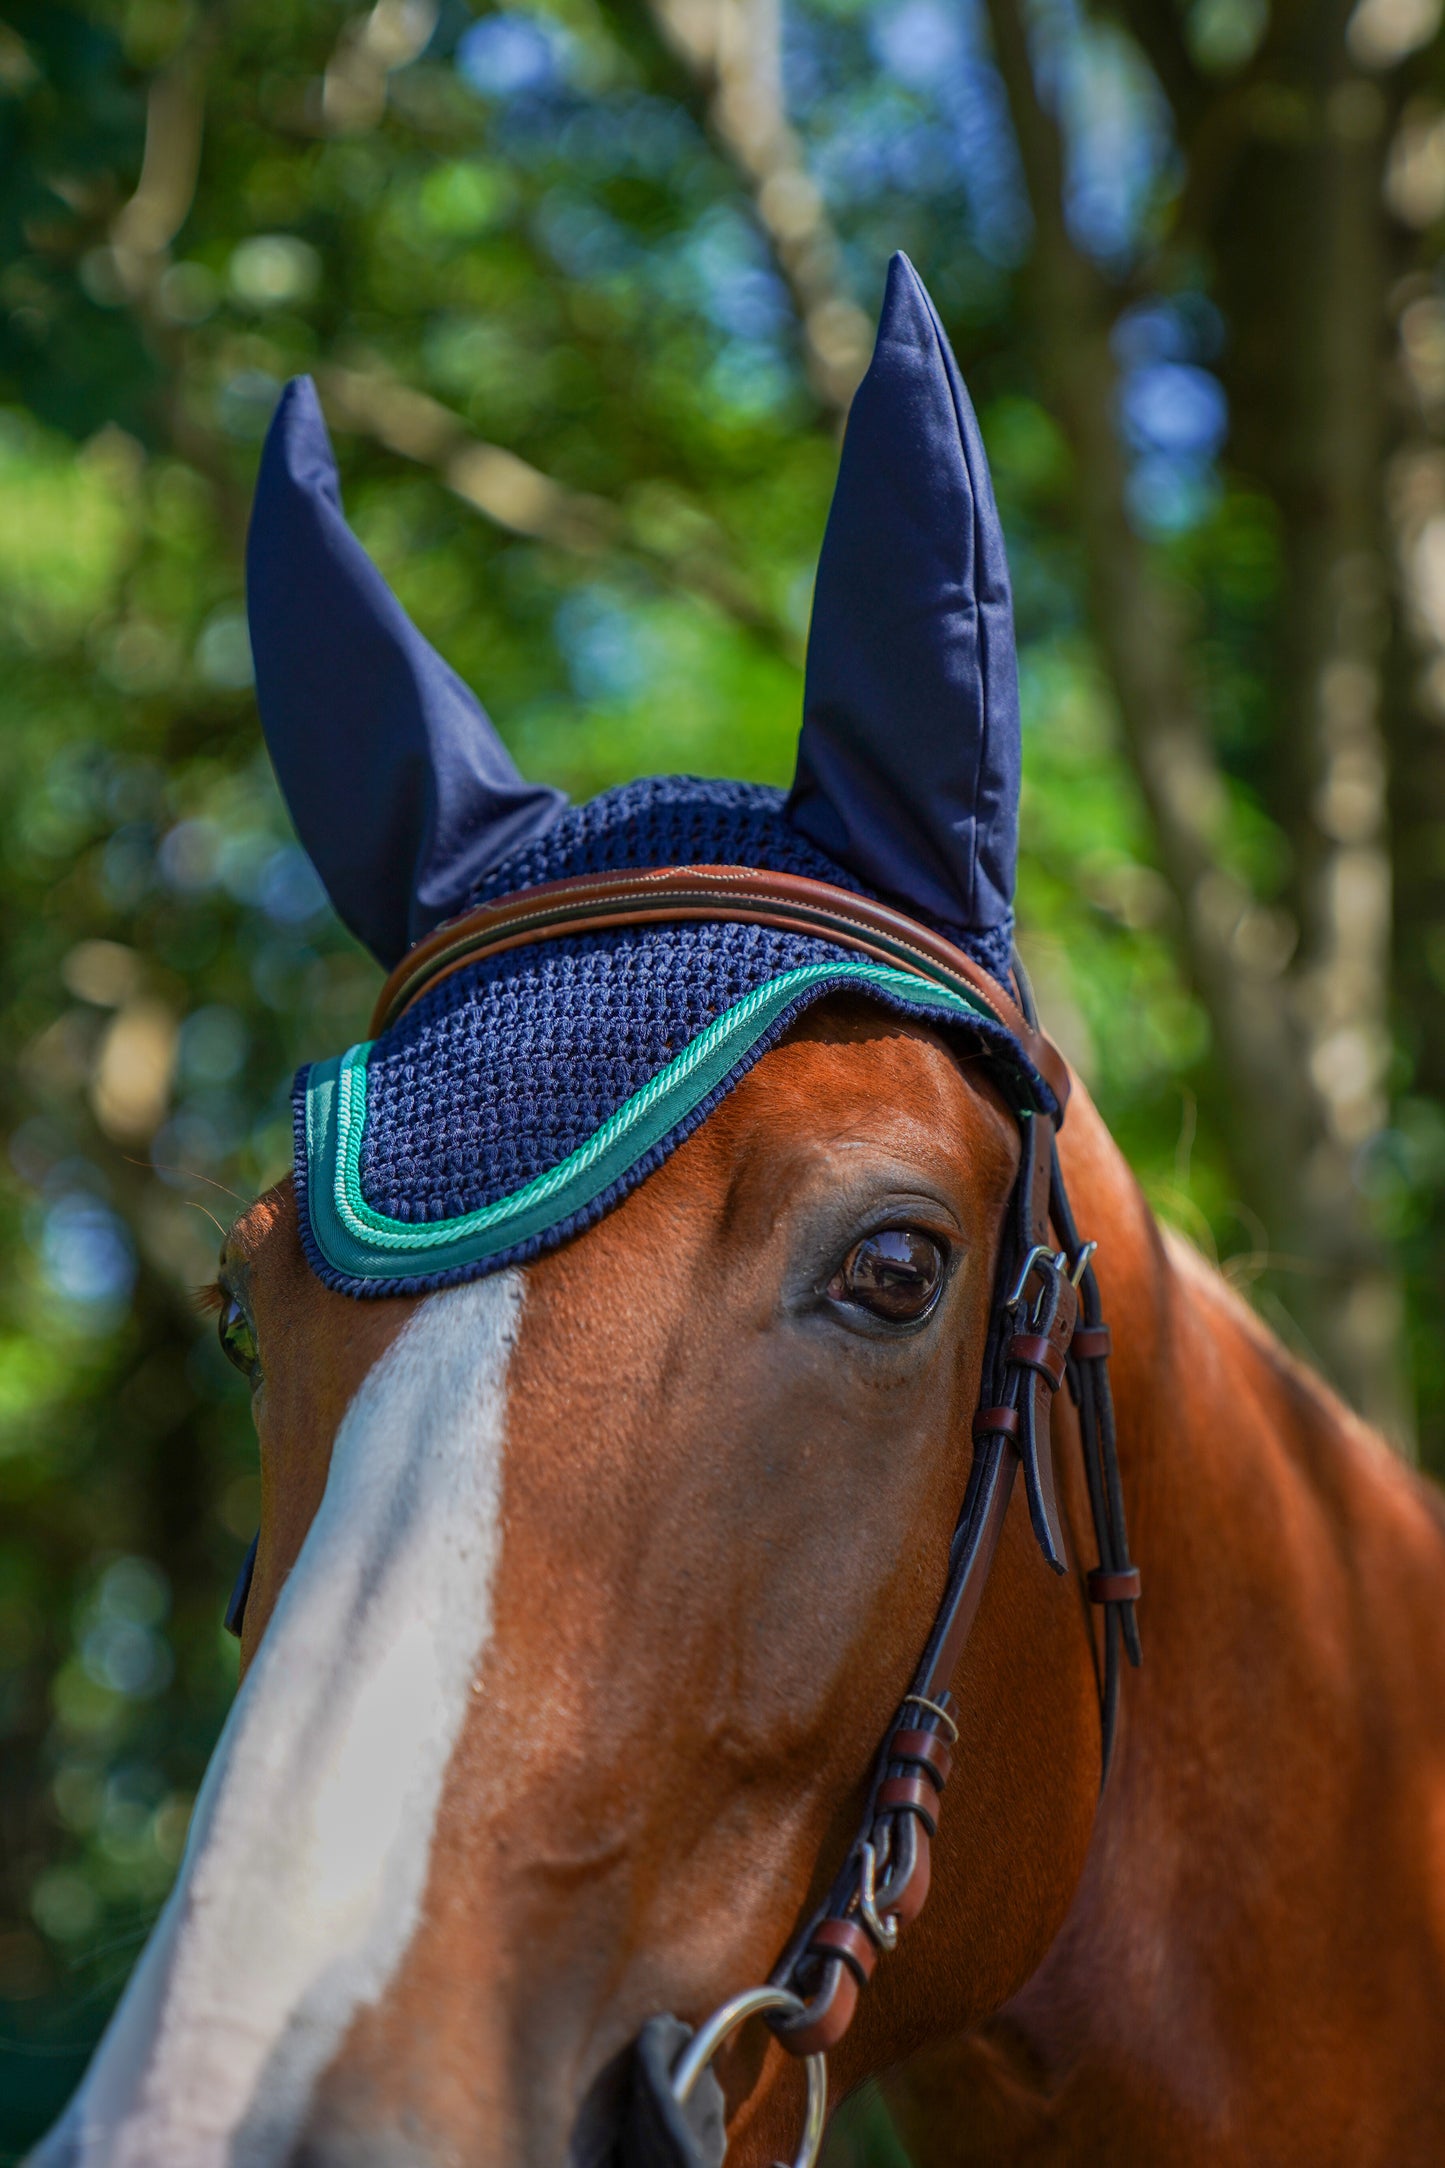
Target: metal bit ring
[{"x": 720, "y": 2027}]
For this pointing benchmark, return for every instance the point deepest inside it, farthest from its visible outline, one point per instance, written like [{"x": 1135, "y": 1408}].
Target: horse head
[{"x": 617, "y": 1345}]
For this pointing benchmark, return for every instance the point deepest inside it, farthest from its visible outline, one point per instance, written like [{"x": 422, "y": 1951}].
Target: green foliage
[{"x": 581, "y": 279}]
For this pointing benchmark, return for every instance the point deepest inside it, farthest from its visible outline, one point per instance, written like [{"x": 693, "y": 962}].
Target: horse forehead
[{"x": 847, "y": 1070}]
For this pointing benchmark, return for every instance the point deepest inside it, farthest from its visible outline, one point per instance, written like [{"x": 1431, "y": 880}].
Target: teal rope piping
[{"x": 357, "y": 1239}]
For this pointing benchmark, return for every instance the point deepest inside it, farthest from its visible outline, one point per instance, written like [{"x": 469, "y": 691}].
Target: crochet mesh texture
[
  {"x": 501, "y": 1071},
  {"x": 687, "y": 820},
  {"x": 506, "y": 1067}
]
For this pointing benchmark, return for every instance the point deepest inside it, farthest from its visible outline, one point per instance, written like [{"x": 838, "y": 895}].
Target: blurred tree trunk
[
  {"x": 1303, "y": 246},
  {"x": 1284, "y": 193},
  {"x": 1415, "y": 711},
  {"x": 733, "y": 50}
]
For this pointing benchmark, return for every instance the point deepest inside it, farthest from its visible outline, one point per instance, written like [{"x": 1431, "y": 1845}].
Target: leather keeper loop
[
  {"x": 1033, "y": 1351},
  {"x": 1114, "y": 1587},
  {"x": 826, "y": 2016},
  {"x": 1091, "y": 1343},
  {"x": 850, "y": 1941},
  {"x": 910, "y": 1795},
  {"x": 928, "y": 1748},
  {"x": 996, "y": 1422}
]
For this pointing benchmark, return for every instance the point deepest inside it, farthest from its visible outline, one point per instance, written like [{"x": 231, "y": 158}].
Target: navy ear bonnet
[
  {"x": 400, "y": 788},
  {"x": 909, "y": 761},
  {"x": 524, "y": 1095}
]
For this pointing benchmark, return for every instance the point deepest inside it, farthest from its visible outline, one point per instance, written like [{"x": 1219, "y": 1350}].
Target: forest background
[{"x": 586, "y": 288}]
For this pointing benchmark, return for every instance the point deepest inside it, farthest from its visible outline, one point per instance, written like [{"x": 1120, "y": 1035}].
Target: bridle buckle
[
  {"x": 883, "y": 1927},
  {"x": 1040, "y": 1255}
]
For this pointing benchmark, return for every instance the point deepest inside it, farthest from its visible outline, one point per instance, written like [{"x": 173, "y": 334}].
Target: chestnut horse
[
  {"x": 707, "y": 1518},
  {"x": 593, "y": 1569}
]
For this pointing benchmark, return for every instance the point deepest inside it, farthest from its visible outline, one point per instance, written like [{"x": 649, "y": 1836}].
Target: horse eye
[
  {"x": 238, "y": 1338},
  {"x": 896, "y": 1275}
]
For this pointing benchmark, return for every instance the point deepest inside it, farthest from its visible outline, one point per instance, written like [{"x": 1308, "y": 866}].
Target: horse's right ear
[{"x": 402, "y": 793}]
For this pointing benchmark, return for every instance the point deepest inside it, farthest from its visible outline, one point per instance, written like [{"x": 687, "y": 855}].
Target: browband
[{"x": 595, "y": 902}]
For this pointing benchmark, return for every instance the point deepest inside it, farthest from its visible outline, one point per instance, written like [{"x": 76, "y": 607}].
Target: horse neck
[{"x": 1273, "y": 1819}]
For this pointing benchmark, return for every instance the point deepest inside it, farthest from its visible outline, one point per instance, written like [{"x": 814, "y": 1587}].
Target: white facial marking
[{"x": 302, "y": 1882}]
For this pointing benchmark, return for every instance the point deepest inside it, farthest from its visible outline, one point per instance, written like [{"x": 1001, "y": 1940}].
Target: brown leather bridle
[
  {"x": 602, "y": 902},
  {"x": 1046, "y": 1328}
]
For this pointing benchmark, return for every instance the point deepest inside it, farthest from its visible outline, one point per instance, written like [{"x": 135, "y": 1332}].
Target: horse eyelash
[{"x": 210, "y": 1298}]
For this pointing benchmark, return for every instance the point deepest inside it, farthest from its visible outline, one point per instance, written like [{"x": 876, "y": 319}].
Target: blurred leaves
[{"x": 587, "y": 434}]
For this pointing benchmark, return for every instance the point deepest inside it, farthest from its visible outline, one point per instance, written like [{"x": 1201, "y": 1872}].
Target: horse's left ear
[
  {"x": 909, "y": 760},
  {"x": 402, "y": 793}
]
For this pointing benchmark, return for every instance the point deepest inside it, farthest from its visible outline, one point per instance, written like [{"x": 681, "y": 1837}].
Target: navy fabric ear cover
[
  {"x": 402, "y": 793},
  {"x": 909, "y": 760}
]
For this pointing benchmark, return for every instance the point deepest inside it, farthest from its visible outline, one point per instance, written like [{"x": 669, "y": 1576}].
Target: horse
[{"x": 606, "y": 1513}]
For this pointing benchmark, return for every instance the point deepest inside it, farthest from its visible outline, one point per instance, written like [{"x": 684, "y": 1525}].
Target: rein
[{"x": 1046, "y": 1329}]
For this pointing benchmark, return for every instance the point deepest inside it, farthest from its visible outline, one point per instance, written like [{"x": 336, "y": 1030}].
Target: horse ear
[
  {"x": 402, "y": 793},
  {"x": 909, "y": 760}
]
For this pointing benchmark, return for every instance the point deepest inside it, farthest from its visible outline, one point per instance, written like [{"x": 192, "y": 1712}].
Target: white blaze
[{"x": 303, "y": 1878}]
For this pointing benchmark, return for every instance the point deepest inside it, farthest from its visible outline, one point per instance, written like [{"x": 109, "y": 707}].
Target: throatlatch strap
[{"x": 1114, "y": 1582}]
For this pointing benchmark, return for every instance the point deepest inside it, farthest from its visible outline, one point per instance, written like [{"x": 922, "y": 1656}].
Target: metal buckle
[
  {"x": 1040, "y": 1257},
  {"x": 1056, "y": 1261},
  {"x": 720, "y": 2027},
  {"x": 883, "y": 1927}
]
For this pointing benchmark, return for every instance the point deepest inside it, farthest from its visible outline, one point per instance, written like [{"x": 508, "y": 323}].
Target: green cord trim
[{"x": 357, "y": 1239}]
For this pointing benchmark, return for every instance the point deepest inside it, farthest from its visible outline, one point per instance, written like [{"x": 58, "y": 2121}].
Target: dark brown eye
[
  {"x": 238, "y": 1338},
  {"x": 894, "y": 1275}
]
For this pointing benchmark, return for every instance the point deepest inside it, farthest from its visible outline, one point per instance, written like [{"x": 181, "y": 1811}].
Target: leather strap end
[{"x": 1036, "y": 1451}]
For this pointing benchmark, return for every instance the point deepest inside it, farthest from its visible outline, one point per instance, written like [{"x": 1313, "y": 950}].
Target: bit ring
[{"x": 720, "y": 2027}]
